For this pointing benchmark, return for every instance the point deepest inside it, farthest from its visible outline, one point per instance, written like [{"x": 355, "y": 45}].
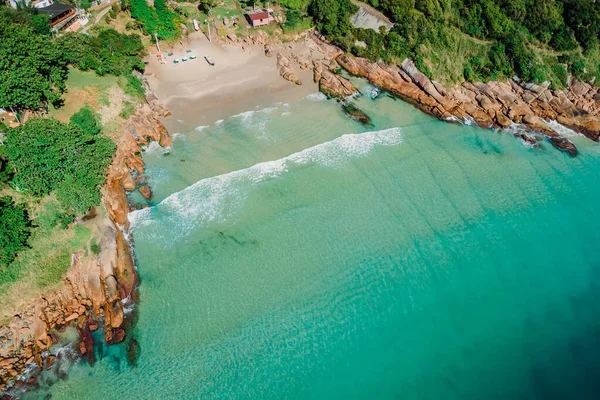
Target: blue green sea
[{"x": 292, "y": 253}]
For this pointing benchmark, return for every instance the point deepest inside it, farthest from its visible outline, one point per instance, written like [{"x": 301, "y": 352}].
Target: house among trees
[
  {"x": 61, "y": 15},
  {"x": 258, "y": 18}
]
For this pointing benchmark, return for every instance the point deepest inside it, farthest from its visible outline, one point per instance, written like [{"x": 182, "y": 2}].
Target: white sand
[{"x": 200, "y": 94}]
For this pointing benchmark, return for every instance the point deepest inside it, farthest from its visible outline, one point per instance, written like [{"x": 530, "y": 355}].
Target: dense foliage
[
  {"x": 32, "y": 67},
  {"x": 14, "y": 231},
  {"x": 159, "y": 20},
  {"x": 108, "y": 52},
  {"x": 71, "y": 159},
  {"x": 530, "y": 38},
  {"x": 87, "y": 121}
]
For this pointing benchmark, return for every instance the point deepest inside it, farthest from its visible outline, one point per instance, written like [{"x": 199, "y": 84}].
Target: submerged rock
[
  {"x": 353, "y": 112},
  {"x": 133, "y": 351}
]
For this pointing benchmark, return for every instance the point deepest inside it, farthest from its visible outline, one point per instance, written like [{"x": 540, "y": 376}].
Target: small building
[
  {"x": 42, "y": 3},
  {"x": 61, "y": 15},
  {"x": 258, "y": 18}
]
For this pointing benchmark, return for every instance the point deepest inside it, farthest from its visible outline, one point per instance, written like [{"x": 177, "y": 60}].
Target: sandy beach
[{"x": 242, "y": 79}]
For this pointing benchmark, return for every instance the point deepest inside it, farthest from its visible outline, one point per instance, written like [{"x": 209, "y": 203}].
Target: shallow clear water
[{"x": 296, "y": 254}]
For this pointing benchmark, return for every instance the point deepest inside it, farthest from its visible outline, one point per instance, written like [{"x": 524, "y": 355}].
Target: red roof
[{"x": 258, "y": 16}]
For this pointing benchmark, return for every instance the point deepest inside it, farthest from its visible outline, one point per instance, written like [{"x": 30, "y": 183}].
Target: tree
[
  {"x": 32, "y": 67},
  {"x": 206, "y": 5},
  {"x": 109, "y": 52},
  {"x": 47, "y": 155}
]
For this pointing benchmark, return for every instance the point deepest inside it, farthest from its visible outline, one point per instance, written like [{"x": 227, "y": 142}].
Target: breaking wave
[
  {"x": 246, "y": 116},
  {"x": 220, "y": 197},
  {"x": 154, "y": 147},
  {"x": 561, "y": 129},
  {"x": 316, "y": 97}
]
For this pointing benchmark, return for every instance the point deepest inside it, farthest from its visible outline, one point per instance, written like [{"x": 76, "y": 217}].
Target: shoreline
[
  {"x": 242, "y": 78},
  {"x": 248, "y": 74},
  {"x": 98, "y": 288}
]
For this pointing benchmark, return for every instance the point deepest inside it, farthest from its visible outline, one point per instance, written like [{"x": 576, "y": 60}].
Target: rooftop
[
  {"x": 55, "y": 9},
  {"x": 258, "y": 15}
]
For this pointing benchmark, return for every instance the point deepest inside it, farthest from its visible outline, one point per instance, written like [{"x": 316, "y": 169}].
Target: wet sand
[{"x": 240, "y": 80}]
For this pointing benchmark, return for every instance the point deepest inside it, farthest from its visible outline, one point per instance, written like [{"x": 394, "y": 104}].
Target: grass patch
[
  {"x": 50, "y": 246},
  {"x": 128, "y": 110},
  {"x": 79, "y": 78},
  {"x": 83, "y": 88},
  {"x": 447, "y": 62},
  {"x": 132, "y": 86}
]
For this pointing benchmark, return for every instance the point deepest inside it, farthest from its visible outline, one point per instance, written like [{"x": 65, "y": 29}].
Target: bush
[
  {"x": 94, "y": 247},
  {"x": 159, "y": 20},
  {"x": 578, "y": 69},
  {"x": 14, "y": 231},
  {"x": 295, "y": 21},
  {"x": 132, "y": 86},
  {"x": 87, "y": 121}
]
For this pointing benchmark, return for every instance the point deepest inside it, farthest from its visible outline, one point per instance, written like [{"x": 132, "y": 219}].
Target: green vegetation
[
  {"x": 47, "y": 155},
  {"x": 132, "y": 86},
  {"x": 87, "y": 121},
  {"x": 453, "y": 40},
  {"x": 128, "y": 110},
  {"x": 108, "y": 52},
  {"x": 207, "y": 5},
  {"x": 51, "y": 171},
  {"x": 32, "y": 66},
  {"x": 295, "y": 22},
  {"x": 159, "y": 20},
  {"x": 14, "y": 231}
]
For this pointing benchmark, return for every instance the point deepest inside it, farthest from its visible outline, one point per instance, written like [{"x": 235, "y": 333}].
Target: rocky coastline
[
  {"x": 97, "y": 287},
  {"x": 492, "y": 105}
]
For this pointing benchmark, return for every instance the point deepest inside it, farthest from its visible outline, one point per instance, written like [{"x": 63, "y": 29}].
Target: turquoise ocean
[{"x": 292, "y": 253}]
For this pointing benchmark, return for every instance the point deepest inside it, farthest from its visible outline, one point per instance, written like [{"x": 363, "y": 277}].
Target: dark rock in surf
[{"x": 353, "y": 112}]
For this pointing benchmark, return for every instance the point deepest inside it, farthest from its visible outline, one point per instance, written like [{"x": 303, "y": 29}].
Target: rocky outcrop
[
  {"x": 286, "y": 70},
  {"x": 141, "y": 129},
  {"x": 96, "y": 286},
  {"x": 332, "y": 84},
  {"x": 495, "y": 104}
]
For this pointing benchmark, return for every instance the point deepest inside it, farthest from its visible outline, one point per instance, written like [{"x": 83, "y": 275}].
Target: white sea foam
[
  {"x": 154, "y": 147},
  {"x": 561, "y": 129},
  {"x": 219, "y": 198},
  {"x": 246, "y": 116},
  {"x": 316, "y": 97},
  {"x": 201, "y": 127}
]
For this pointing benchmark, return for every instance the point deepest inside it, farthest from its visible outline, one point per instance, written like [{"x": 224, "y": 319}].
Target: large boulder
[
  {"x": 333, "y": 85},
  {"x": 286, "y": 70}
]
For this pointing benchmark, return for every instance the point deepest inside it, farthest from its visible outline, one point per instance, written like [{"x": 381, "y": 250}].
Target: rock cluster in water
[
  {"x": 498, "y": 104},
  {"x": 495, "y": 104}
]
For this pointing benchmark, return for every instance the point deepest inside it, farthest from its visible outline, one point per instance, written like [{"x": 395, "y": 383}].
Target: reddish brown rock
[
  {"x": 333, "y": 85},
  {"x": 145, "y": 191},
  {"x": 119, "y": 335},
  {"x": 502, "y": 120},
  {"x": 286, "y": 70}
]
